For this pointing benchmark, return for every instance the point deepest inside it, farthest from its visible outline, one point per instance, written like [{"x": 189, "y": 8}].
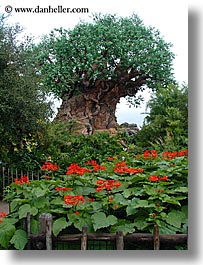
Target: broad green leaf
[
  {"x": 80, "y": 220},
  {"x": 33, "y": 211},
  {"x": 142, "y": 204},
  {"x": 38, "y": 192},
  {"x": 182, "y": 189},
  {"x": 19, "y": 239},
  {"x": 41, "y": 202},
  {"x": 126, "y": 193},
  {"x": 119, "y": 199},
  {"x": 88, "y": 190},
  {"x": 14, "y": 205},
  {"x": 59, "y": 225},
  {"x": 6, "y": 232},
  {"x": 165, "y": 228},
  {"x": 175, "y": 218},
  {"x": 23, "y": 210},
  {"x": 123, "y": 225},
  {"x": 100, "y": 220},
  {"x": 140, "y": 223},
  {"x": 130, "y": 210},
  {"x": 34, "y": 226},
  {"x": 171, "y": 200},
  {"x": 96, "y": 205},
  {"x": 57, "y": 201}
]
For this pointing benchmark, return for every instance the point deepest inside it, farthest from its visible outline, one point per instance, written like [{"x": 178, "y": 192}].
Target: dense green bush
[
  {"x": 66, "y": 147},
  {"x": 166, "y": 125},
  {"x": 129, "y": 195}
]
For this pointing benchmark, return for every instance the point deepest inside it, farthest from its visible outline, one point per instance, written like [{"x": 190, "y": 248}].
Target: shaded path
[{"x": 4, "y": 207}]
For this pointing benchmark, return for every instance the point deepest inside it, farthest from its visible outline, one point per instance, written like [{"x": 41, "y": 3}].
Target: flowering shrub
[
  {"x": 49, "y": 166},
  {"x": 130, "y": 195},
  {"x": 2, "y": 214},
  {"x": 107, "y": 184},
  {"x": 76, "y": 169},
  {"x": 22, "y": 180},
  {"x": 122, "y": 168}
]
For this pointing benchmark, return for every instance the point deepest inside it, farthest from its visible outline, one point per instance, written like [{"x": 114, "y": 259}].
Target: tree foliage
[
  {"x": 166, "y": 124},
  {"x": 122, "y": 51},
  {"x": 23, "y": 109}
]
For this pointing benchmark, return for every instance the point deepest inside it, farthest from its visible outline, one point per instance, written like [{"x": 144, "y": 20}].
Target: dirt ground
[{"x": 4, "y": 207}]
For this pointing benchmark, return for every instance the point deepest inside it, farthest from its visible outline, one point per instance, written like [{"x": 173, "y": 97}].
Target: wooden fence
[
  {"x": 7, "y": 176},
  {"x": 83, "y": 241},
  {"x": 46, "y": 240}
]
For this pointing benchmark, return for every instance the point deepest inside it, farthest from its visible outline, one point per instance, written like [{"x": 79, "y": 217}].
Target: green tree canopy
[
  {"x": 23, "y": 106},
  {"x": 96, "y": 63},
  {"x": 113, "y": 48}
]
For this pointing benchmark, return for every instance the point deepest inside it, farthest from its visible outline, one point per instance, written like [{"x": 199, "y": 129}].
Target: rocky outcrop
[{"x": 129, "y": 128}]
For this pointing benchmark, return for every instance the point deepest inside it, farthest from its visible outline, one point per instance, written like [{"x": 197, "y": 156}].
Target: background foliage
[
  {"x": 23, "y": 108},
  {"x": 166, "y": 124},
  {"x": 117, "y": 49}
]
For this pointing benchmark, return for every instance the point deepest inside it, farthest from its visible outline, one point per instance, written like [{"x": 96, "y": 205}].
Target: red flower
[
  {"x": 90, "y": 199},
  {"x": 49, "y": 166},
  {"x": 170, "y": 155},
  {"x": 96, "y": 166},
  {"x": 111, "y": 158},
  {"x": 159, "y": 191},
  {"x": 63, "y": 188},
  {"x": 110, "y": 199},
  {"x": 122, "y": 168},
  {"x": 183, "y": 153},
  {"x": 100, "y": 181},
  {"x": 22, "y": 180},
  {"x": 76, "y": 169},
  {"x": 154, "y": 178},
  {"x": 3, "y": 214},
  {"x": 73, "y": 200},
  {"x": 107, "y": 184},
  {"x": 98, "y": 189},
  {"x": 163, "y": 178},
  {"x": 154, "y": 215},
  {"x": 150, "y": 154}
]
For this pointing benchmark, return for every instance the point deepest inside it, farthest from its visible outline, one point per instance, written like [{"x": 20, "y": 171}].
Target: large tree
[
  {"x": 93, "y": 65},
  {"x": 23, "y": 106}
]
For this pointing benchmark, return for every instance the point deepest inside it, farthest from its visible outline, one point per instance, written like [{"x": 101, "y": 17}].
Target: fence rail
[
  {"x": 46, "y": 240},
  {"x": 84, "y": 240},
  {"x": 7, "y": 176}
]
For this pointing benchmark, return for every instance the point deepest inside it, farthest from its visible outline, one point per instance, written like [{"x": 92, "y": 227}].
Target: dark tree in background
[
  {"x": 93, "y": 65},
  {"x": 23, "y": 107}
]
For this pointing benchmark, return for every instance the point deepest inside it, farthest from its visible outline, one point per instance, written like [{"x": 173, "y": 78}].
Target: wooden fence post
[
  {"x": 28, "y": 231},
  {"x": 156, "y": 237},
  {"x": 119, "y": 240},
  {"x": 42, "y": 223},
  {"x": 84, "y": 238},
  {"x": 48, "y": 231}
]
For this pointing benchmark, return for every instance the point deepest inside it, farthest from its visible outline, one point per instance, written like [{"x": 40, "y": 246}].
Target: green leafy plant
[{"x": 130, "y": 195}]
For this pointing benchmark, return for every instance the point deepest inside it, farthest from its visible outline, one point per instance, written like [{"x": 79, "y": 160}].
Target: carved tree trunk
[{"x": 94, "y": 109}]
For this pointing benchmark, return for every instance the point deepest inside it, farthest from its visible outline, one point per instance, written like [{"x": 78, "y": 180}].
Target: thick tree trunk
[{"x": 94, "y": 109}]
